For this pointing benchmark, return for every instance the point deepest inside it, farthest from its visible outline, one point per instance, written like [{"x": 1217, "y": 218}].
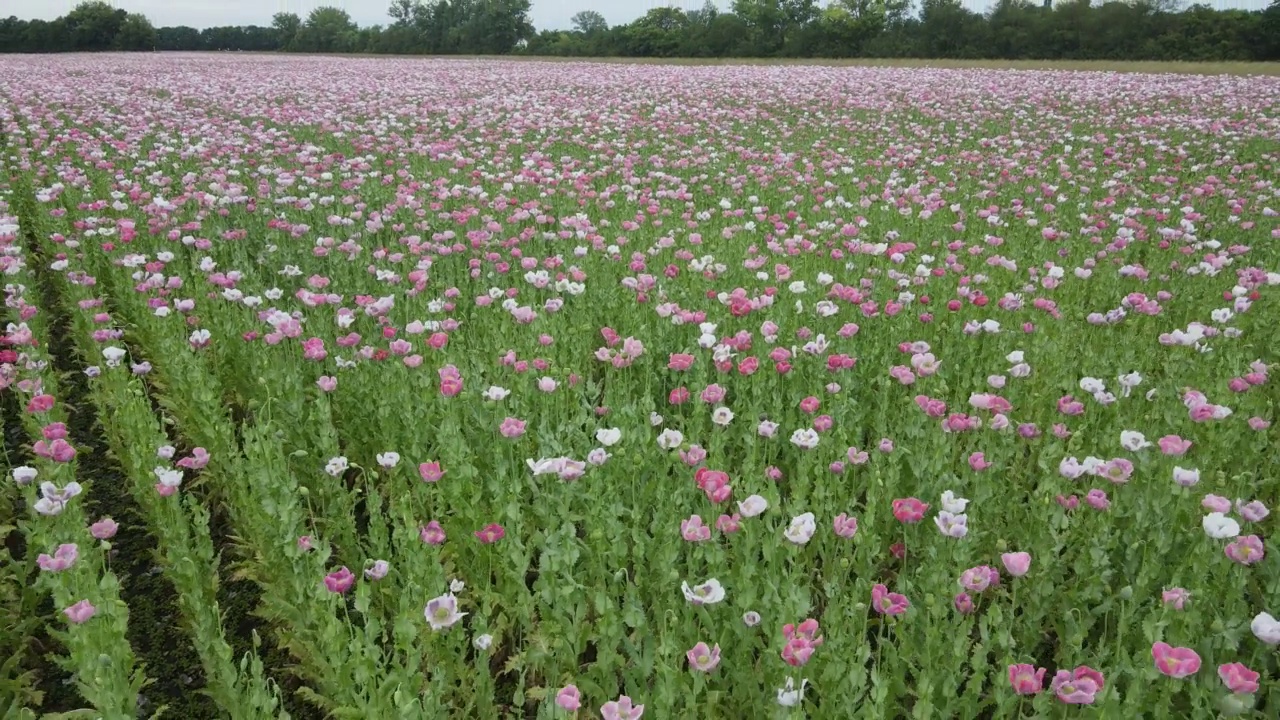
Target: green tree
[
  {"x": 500, "y": 26},
  {"x": 94, "y": 25},
  {"x": 178, "y": 38},
  {"x": 772, "y": 21},
  {"x": 328, "y": 30},
  {"x": 286, "y": 26},
  {"x": 659, "y": 33},
  {"x": 846, "y": 28},
  {"x": 589, "y": 22},
  {"x": 1015, "y": 29},
  {"x": 403, "y": 12},
  {"x": 590, "y": 35},
  {"x": 948, "y": 30},
  {"x": 13, "y": 34},
  {"x": 136, "y": 33},
  {"x": 1269, "y": 32}
]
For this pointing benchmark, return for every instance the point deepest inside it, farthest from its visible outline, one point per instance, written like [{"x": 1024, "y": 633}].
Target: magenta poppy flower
[
  {"x": 339, "y": 581},
  {"x": 491, "y": 533}
]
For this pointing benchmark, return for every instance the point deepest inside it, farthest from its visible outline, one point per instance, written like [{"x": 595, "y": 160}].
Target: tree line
[{"x": 1011, "y": 29}]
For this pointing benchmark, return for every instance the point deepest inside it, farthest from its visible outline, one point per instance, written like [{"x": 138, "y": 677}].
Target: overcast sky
[{"x": 547, "y": 14}]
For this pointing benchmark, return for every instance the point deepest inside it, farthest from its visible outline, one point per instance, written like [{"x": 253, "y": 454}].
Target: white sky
[{"x": 546, "y": 14}]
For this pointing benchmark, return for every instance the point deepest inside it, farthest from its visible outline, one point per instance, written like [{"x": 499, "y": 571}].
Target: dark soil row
[{"x": 154, "y": 629}]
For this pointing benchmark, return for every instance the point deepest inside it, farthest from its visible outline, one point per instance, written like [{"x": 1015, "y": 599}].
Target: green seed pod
[{"x": 1231, "y": 704}]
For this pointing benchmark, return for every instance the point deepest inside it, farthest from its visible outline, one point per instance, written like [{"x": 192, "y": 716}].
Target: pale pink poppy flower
[
  {"x": 432, "y": 533},
  {"x": 1026, "y": 679},
  {"x": 1175, "y": 597},
  {"x": 845, "y": 526},
  {"x": 1097, "y": 499},
  {"x": 1174, "y": 446},
  {"x": 442, "y": 612},
  {"x": 729, "y": 524},
  {"x": 1253, "y": 511},
  {"x": 62, "y": 558},
  {"x": 1016, "y": 563},
  {"x": 1247, "y": 550},
  {"x": 712, "y": 394},
  {"x": 569, "y": 698},
  {"x": 621, "y": 709},
  {"x": 703, "y": 658},
  {"x": 978, "y": 462},
  {"x": 512, "y": 427},
  {"x": 1216, "y": 503},
  {"x": 752, "y": 506},
  {"x": 952, "y": 525},
  {"x": 693, "y": 529},
  {"x": 80, "y": 612},
  {"x": 1117, "y": 470},
  {"x": 104, "y": 529},
  {"x": 976, "y": 579},
  {"x": 1078, "y": 687}
]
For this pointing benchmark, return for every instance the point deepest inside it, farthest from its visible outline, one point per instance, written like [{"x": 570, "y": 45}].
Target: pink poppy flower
[
  {"x": 1175, "y": 597},
  {"x": 1026, "y": 679},
  {"x": 909, "y": 510},
  {"x": 339, "y": 581},
  {"x": 490, "y": 534},
  {"x": 1078, "y": 687},
  {"x": 1238, "y": 678},
  {"x": 511, "y": 427},
  {"x": 621, "y": 709},
  {"x": 845, "y": 526},
  {"x": 1017, "y": 563},
  {"x": 83, "y": 610},
  {"x": 887, "y": 603},
  {"x": 1174, "y": 446},
  {"x": 1247, "y": 550},
  {"x": 569, "y": 698},
  {"x": 1175, "y": 662},
  {"x": 430, "y": 472}
]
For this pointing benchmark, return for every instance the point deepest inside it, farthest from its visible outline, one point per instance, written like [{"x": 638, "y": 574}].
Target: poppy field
[{"x": 402, "y": 388}]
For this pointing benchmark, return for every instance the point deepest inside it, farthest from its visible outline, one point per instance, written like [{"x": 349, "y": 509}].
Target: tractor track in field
[
  {"x": 237, "y": 598},
  {"x": 154, "y": 629},
  {"x": 31, "y": 640}
]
